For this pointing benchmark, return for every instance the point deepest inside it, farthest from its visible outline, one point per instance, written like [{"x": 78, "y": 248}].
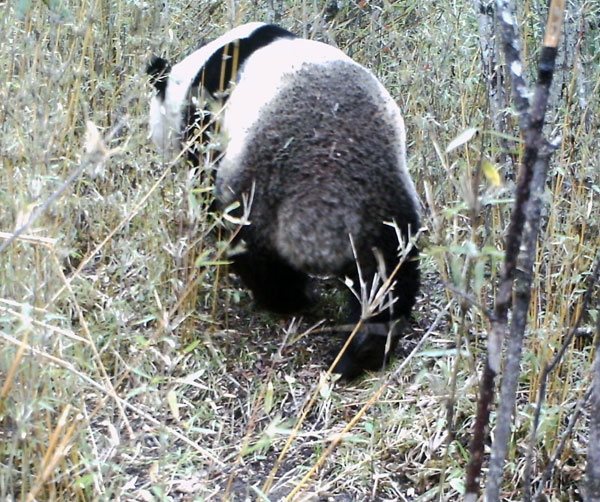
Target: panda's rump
[
  {"x": 325, "y": 162},
  {"x": 313, "y": 233}
]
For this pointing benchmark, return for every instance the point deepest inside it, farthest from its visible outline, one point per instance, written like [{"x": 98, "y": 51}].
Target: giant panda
[{"x": 317, "y": 145}]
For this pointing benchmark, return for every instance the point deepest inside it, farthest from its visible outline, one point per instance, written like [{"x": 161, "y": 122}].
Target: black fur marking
[
  {"x": 158, "y": 69},
  {"x": 366, "y": 352},
  {"x": 209, "y": 76}
]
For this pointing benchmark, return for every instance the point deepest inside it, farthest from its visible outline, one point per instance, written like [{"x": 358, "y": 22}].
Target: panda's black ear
[{"x": 158, "y": 69}]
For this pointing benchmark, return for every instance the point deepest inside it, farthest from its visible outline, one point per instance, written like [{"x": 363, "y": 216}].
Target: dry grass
[{"x": 133, "y": 368}]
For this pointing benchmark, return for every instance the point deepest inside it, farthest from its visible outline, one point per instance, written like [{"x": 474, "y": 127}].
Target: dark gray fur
[{"x": 324, "y": 166}]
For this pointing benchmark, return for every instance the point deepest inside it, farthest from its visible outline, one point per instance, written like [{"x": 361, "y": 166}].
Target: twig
[
  {"x": 469, "y": 299},
  {"x": 88, "y": 161},
  {"x": 42, "y": 208}
]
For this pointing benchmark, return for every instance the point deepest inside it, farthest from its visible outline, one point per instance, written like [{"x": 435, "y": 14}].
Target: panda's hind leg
[
  {"x": 369, "y": 349},
  {"x": 276, "y": 286}
]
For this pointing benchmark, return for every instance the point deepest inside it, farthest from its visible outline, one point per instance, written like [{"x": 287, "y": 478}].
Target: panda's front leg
[
  {"x": 370, "y": 348},
  {"x": 376, "y": 340}
]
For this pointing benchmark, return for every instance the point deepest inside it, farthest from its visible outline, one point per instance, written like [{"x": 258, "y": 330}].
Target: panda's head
[{"x": 181, "y": 106}]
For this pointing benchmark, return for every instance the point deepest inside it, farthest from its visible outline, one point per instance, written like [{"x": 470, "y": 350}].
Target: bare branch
[
  {"x": 523, "y": 280},
  {"x": 493, "y": 73}
]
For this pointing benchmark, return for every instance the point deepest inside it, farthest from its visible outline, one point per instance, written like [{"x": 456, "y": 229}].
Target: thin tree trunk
[
  {"x": 536, "y": 159},
  {"x": 524, "y": 222}
]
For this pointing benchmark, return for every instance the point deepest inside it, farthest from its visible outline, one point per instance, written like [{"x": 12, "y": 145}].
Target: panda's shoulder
[
  {"x": 205, "y": 64},
  {"x": 291, "y": 54},
  {"x": 238, "y": 50}
]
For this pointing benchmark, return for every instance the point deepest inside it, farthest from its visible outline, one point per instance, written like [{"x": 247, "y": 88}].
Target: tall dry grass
[{"x": 133, "y": 368}]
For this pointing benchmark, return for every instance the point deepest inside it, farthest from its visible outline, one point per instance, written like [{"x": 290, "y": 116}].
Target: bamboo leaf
[{"x": 464, "y": 137}]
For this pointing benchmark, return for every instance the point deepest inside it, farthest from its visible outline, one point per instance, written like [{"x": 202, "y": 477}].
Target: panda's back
[{"x": 323, "y": 144}]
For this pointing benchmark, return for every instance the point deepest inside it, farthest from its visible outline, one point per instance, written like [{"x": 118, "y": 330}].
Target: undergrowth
[{"x": 133, "y": 367}]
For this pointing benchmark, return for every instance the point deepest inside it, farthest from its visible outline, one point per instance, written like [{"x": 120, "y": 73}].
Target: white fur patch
[
  {"x": 264, "y": 74},
  {"x": 166, "y": 117}
]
